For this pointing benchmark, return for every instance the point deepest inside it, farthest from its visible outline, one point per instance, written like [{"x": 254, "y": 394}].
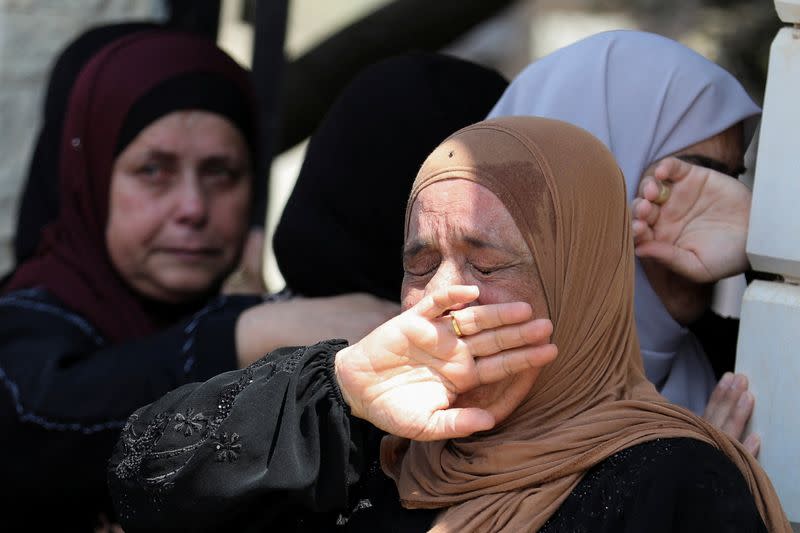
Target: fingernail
[
  {"x": 744, "y": 400},
  {"x": 740, "y": 382},
  {"x": 726, "y": 381},
  {"x": 752, "y": 443}
]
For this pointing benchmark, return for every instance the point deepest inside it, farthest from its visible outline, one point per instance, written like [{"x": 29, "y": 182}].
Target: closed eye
[{"x": 419, "y": 271}]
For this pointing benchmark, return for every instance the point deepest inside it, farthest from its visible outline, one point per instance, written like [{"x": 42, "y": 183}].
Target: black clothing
[
  {"x": 349, "y": 202},
  {"x": 660, "y": 486},
  {"x": 65, "y": 393},
  {"x": 197, "y": 90},
  {"x": 718, "y": 336},
  {"x": 274, "y": 448}
]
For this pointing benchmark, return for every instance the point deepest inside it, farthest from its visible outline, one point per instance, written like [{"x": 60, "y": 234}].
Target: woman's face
[
  {"x": 461, "y": 234},
  {"x": 179, "y": 205}
]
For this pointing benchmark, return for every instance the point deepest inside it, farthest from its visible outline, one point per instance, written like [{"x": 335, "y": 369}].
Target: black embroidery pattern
[
  {"x": 139, "y": 445},
  {"x": 190, "y": 422},
  {"x": 228, "y": 448}
]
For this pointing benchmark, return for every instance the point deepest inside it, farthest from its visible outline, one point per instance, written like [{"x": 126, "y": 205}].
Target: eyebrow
[
  {"x": 219, "y": 160},
  {"x": 713, "y": 164},
  {"x": 213, "y": 159},
  {"x": 155, "y": 153}
]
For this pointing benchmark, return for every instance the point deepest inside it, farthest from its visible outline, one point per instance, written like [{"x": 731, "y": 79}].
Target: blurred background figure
[
  {"x": 645, "y": 110},
  {"x": 303, "y": 52},
  {"x": 340, "y": 237},
  {"x": 124, "y": 312},
  {"x": 38, "y": 203},
  {"x": 350, "y": 197},
  {"x": 155, "y": 171}
]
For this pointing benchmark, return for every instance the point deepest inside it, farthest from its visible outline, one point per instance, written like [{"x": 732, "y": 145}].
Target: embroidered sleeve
[{"x": 278, "y": 430}]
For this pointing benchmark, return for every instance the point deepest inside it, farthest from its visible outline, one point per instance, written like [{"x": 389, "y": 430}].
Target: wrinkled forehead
[
  {"x": 487, "y": 156},
  {"x": 464, "y": 210},
  {"x": 497, "y": 156}
]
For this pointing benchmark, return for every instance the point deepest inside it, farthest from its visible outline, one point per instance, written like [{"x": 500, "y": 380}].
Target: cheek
[
  {"x": 134, "y": 220},
  {"x": 410, "y": 295},
  {"x": 524, "y": 288},
  {"x": 230, "y": 213}
]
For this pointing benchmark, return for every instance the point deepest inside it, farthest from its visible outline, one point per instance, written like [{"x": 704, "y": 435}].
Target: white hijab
[{"x": 644, "y": 96}]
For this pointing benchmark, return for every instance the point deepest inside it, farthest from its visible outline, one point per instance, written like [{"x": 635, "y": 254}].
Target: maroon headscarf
[{"x": 128, "y": 84}]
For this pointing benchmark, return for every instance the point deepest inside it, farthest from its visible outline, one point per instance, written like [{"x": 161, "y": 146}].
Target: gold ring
[
  {"x": 663, "y": 193},
  {"x": 456, "y": 329}
]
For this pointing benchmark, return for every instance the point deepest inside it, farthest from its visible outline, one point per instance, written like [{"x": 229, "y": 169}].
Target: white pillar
[{"x": 769, "y": 337}]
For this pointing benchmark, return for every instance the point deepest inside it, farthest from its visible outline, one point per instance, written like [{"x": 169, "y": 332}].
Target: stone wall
[{"x": 32, "y": 33}]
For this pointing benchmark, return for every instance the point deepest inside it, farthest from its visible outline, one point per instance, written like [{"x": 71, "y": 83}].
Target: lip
[{"x": 191, "y": 252}]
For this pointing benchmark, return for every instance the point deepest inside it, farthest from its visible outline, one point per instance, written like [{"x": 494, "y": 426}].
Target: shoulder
[
  {"x": 39, "y": 311},
  {"x": 677, "y": 460},
  {"x": 664, "y": 485}
]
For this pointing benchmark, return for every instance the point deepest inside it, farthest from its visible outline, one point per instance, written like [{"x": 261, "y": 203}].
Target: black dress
[
  {"x": 65, "y": 394},
  {"x": 274, "y": 448}
]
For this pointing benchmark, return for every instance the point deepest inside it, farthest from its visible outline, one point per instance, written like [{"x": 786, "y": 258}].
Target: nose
[
  {"x": 191, "y": 201},
  {"x": 447, "y": 274}
]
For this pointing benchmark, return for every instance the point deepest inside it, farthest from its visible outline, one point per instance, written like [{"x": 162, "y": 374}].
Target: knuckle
[
  {"x": 506, "y": 366},
  {"x": 473, "y": 321},
  {"x": 497, "y": 343}
]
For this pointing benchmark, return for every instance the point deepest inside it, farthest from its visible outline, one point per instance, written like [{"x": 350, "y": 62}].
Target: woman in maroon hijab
[{"x": 113, "y": 310}]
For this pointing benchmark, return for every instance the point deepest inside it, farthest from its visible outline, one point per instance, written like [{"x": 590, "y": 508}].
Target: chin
[{"x": 186, "y": 286}]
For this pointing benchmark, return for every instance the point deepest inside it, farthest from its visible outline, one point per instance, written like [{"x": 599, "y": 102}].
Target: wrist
[
  {"x": 254, "y": 336},
  {"x": 340, "y": 374}
]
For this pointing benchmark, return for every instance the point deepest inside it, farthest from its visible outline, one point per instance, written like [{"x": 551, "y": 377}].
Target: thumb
[{"x": 676, "y": 259}]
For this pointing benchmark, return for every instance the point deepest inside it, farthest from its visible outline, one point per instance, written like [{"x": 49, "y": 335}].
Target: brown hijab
[{"x": 594, "y": 399}]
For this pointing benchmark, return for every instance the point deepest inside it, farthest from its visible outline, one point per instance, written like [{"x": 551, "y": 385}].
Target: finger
[
  {"x": 642, "y": 183},
  {"x": 641, "y": 232},
  {"x": 639, "y": 208},
  {"x": 720, "y": 391},
  {"x": 478, "y": 318},
  {"x": 673, "y": 169},
  {"x": 648, "y": 188},
  {"x": 454, "y": 423},
  {"x": 495, "y": 368},
  {"x": 719, "y": 404},
  {"x": 533, "y": 332},
  {"x": 645, "y": 211},
  {"x": 752, "y": 444},
  {"x": 739, "y": 415},
  {"x": 433, "y": 305},
  {"x": 654, "y": 191},
  {"x": 723, "y": 400}
]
